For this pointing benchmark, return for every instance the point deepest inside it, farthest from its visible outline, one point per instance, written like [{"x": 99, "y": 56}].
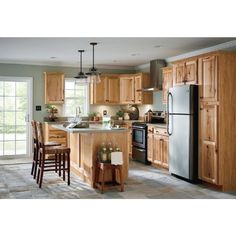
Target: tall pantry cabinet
[{"x": 217, "y": 119}]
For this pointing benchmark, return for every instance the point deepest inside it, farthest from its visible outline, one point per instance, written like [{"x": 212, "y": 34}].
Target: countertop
[
  {"x": 163, "y": 126},
  {"x": 91, "y": 129}
]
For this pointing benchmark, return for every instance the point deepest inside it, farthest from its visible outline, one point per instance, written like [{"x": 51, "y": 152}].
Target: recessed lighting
[
  {"x": 134, "y": 54},
  {"x": 53, "y": 57},
  {"x": 157, "y": 46}
]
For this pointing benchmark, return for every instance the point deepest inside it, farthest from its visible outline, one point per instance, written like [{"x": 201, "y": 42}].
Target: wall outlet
[{"x": 38, "y": 108}]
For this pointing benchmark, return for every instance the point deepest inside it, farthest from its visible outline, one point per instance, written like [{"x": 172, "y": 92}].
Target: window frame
[{"x": 87, "y": 99}]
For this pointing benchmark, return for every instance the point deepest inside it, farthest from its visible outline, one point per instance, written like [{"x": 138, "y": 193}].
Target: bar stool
[
  {"x": 36, "y": 148},
  {"x": 101, "y": 169},
  {"x": 61, "y": 158}
]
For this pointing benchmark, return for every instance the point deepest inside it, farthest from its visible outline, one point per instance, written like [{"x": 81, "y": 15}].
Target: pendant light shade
[
  {"x": 93, "y": 74},
  {"x": 81, "y": 76}
]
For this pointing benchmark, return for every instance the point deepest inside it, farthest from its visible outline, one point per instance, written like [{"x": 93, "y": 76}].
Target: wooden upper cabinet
[
  {"x": 178, "y": 73},
  {"x": 98, "y": 92},
  {"x": 54, "y": 87},
  {"x": 208, "y": 143},
  {"x": 185, "y": 72},
  {"x": 107, "y": 91},
  {"x": 112, "y": 90},
  {"x": 208, "y": 77},
  {"x": 127, "y": 89},
  {"x": 137, "y": 87},
  {"x": 167, "y": 82},
  {"x": 191, "y": 72}
]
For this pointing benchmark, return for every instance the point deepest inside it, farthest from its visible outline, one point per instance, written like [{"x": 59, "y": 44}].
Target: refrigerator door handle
[{"x": 168, "y": 112}]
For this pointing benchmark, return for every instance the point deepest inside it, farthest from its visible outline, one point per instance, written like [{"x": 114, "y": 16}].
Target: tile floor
[{"x": 144, "y": 182}]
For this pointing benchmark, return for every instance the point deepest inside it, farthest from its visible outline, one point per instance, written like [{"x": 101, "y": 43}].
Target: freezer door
[
  {"x": 179, "y": 100},
  {"x": 179, "y": 145}
]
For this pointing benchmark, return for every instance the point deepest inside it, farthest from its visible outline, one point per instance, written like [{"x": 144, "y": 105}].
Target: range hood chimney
[{"x": 155, "y": 75}]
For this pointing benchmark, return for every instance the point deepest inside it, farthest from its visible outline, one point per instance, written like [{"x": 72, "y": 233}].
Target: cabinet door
[
  {"x": 165, "y": 152},
  {"x": 167, "y": 83},
  {"x": 150, "y": 147},
  {"x": 99, "y": 91},
  {"x": 127, "y": 90},
  {"x": 137, "y": 86},
  {"x": 178, "y": 73},
  {"x": 54, "y": 88},
  {"x": 208, "y": 77},
  {"x": 113, "y": 90},
  {"x": 191, "y": 72},
  {"x": 157, "y": 147},
  {"x": 208, "y": 144}
]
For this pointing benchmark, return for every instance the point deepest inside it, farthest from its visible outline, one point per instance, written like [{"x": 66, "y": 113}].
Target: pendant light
[
  {"x": 93, "y": 74},
  {"x": 81, "y": 76}
]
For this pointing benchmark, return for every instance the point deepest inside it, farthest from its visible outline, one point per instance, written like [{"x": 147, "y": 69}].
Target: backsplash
[{"x": 112, "y": 109}]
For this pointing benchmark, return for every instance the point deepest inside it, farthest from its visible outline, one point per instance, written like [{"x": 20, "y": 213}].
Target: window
[{"x": 76, "y": 94}]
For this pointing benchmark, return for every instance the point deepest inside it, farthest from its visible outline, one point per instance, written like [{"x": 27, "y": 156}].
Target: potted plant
[
  {"x": 92, "y": 115},
  {"x": 52, "y": 110},
  {"x": 120, "y": 114}
]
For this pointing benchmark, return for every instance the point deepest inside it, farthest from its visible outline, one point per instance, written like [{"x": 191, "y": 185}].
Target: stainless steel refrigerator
[{"x": 182, "y": 127}]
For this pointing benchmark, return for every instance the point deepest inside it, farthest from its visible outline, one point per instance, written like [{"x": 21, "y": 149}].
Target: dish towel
[{"x": 117, "y": 158}]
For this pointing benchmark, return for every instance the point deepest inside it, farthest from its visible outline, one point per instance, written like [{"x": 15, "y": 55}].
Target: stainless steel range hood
[{"x": 155, "y": 75}]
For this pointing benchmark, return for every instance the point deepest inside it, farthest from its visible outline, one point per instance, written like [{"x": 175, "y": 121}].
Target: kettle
[{"x": 148, "y": 116}]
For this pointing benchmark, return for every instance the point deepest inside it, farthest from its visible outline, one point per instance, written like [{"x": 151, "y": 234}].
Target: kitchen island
[{"x": 85, "y": 143}]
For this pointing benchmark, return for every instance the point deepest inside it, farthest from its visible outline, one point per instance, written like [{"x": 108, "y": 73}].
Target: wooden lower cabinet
[
  {"x": 165, "y": 150},
  {"x": 55, "y": 135},
  {"x": 158, "y": 147},
  {"x": 209, "y": 163},
  {"x": 150, "y": 146},
  {"x": 208, "y": 143}
]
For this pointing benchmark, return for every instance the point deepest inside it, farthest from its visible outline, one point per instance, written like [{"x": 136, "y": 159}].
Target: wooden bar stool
[
  {"x": 36, "y": 148},
  {"x": 101, "y": 169},
  {"x": 61, "y": 160}
]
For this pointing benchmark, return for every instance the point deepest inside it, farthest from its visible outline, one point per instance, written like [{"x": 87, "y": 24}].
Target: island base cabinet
[{"x": 84, "y": 150}]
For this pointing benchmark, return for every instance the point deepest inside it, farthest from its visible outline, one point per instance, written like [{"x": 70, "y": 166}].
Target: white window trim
[
  {"x": 30, "y": 109},
  {"x": 87, "y": 104}
]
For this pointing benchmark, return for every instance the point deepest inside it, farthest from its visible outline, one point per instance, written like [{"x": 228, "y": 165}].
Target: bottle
[
  {"x": 110, "y": 150},
  {"x": 103, "y": 153}
]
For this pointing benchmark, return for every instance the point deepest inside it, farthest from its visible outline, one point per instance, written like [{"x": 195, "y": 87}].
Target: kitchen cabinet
[
  {"x": 208, "y": 143},
  {"x": 142, "y": 80},
  {"x": 185, "y": 72},
  {"x": 107, "y": 91},
  {"x": 127, "y": 89},
  {"x": 54, "y": 87},
  {"x": 150, "y": 141},
  {"x": 158, "y": 147},
  {"x": 208, "y": 77},
  {"x": 128, "y": 125},
  {"x": 55, "y": 135},
  {"x": 167, "y": 82}
]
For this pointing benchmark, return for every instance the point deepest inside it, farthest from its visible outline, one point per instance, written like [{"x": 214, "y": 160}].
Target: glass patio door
[{"x": 15, "y": 116}]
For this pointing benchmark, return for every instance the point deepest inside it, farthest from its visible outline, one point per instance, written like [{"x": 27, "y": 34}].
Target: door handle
[
  {"x": 27, "y": 118},
  {"x": 168, "y": 112}
]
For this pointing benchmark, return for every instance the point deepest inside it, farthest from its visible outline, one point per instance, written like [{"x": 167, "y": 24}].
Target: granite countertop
[
  {"x": 160, "y": 125},
  {"x": 92, "y": 129}
]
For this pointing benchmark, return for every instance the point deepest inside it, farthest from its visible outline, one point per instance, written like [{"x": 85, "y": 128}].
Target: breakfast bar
[{"x": 85, "y": 143}]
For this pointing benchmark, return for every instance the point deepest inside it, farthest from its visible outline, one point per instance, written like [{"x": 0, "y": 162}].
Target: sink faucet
[{"x": 78, "y": 111}]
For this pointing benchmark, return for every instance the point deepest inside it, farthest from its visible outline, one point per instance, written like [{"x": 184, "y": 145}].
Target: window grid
[{"x": 76, "y": 94}]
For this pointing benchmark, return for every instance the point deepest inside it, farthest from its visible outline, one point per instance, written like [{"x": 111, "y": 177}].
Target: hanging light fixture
[
  {"x": 93, "y": 74},
  {"x": 81, "y": 74}
]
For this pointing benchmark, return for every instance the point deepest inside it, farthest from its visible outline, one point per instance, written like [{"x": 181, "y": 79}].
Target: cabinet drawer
[{"x": 160, "y": 131}]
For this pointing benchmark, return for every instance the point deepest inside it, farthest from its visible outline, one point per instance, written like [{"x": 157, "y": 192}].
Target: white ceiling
[{"x": 123, "y": 52}]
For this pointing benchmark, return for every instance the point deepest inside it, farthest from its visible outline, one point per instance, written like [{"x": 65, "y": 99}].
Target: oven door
[
  {"x": 139, "y": 154},
  {"x": 139, "y": 137}
]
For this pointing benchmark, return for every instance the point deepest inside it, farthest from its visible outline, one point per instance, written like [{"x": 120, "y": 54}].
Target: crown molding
[
  {"x": 57, "y": 64},
  {"x": 221, "y": 46}
]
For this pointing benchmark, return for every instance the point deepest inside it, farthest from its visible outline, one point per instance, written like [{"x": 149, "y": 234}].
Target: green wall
[{"x": 36, "y": 72}]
